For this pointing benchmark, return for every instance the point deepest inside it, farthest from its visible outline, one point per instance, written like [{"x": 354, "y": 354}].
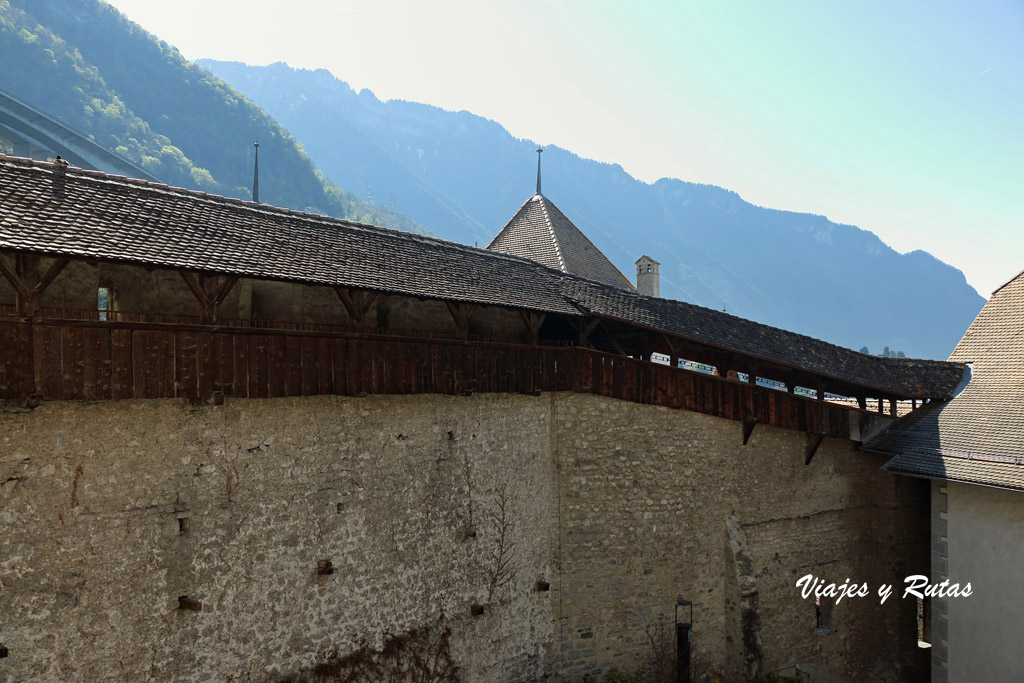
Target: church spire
[
  {"x": 256, "y": 174},
  {"x": 539, "y": 150}
]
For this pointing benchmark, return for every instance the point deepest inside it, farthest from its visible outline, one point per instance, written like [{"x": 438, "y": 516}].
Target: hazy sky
[{"x": 905, "y": 118}]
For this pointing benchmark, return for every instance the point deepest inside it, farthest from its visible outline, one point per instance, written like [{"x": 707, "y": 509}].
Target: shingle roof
[
  {"x": 94, "y": 215},
  {"x": 540, "y": 231},
  {"x": 959, "y": 469},
  {"x": 905, "y": 377},
  {"x": 978, "y": 436},
  {"x": 91, "y": 214}
]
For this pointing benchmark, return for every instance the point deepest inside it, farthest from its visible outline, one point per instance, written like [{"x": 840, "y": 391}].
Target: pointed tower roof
[{"x": 541, "y": 232}]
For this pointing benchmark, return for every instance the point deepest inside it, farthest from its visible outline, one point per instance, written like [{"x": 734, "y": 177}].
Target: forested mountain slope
[{"x": 84, "y": 63}]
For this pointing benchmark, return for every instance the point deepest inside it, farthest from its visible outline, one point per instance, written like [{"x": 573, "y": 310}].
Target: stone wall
[
  {"x": 655, "y": 504},
  {"x": 113, "y": 510}
]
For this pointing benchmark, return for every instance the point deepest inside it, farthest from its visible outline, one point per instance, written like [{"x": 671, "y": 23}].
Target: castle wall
[
  {"x": 114, "y": 509},
  {"x": 92, "y": 561},
  {"x": 656, "y": 504}
]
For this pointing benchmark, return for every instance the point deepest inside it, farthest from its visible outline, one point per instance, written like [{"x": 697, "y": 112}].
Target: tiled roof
[
  {"x": 959, "y": 469},
  {"x": 94, "y": 215},
  {"x": 541, "y": 232},
  {"x": 901, "y": 376},
  {"x": 978, "y": 436},
  {"x": 90, "y": 214}
]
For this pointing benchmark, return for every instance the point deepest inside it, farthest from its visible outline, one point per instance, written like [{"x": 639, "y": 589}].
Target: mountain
[
  {"x": 464, "y": 176},
  {"x": 85, "y": 64}
]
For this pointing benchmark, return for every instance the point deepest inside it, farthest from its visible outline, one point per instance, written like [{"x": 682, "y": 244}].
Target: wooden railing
[{"x": 57, "y": 359}]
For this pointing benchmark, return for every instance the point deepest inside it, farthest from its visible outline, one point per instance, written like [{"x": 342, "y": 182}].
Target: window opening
[{"x": 104, "y": 301}]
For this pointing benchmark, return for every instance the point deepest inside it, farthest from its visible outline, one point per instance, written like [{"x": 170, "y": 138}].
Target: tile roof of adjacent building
[
  {"x": 978, "y": 435},
  {"x": 540, "y": 231},
  {"x": 93, "y": 215}
]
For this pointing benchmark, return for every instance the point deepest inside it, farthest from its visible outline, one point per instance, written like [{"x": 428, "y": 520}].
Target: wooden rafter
[
  {"x": 25, "y": 279},
  {"x": 357, "y": 303},
  {"x": 210, "y": 291}
]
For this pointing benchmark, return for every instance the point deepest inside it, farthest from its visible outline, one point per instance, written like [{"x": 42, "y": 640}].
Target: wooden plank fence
[{"x": 61, "y": 360}]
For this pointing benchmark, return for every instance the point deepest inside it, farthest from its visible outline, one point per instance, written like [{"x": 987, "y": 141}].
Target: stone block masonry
[
  {"x": 655, "y": 504},
  {"x": 114, "y": 511}
]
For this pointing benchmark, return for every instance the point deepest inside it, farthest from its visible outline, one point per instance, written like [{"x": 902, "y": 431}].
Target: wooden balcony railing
[{"x": 132, "y": 356}]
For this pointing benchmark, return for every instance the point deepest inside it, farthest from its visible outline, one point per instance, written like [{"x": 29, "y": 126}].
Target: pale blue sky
[{"x": 903, "y": 118}]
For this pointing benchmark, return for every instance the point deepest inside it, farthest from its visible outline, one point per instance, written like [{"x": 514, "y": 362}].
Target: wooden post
[
  {"x": 673, "y": 350},
  {"x": 585, "y": 327},
  {"x": 28, "y": 284},
  {"x": 533, "y": 322},
  {"x": 461, "y": 313},
  {"x": 752, "y": 373}
]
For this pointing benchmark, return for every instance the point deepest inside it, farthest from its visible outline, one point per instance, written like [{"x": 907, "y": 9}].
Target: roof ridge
[
  {"x": 996, "y": 290},
  {"x": 551, "y": 229}
]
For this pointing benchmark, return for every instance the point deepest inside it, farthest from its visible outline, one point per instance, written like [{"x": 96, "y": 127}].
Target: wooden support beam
[
  {"x": 533, "y": 322},
  {"x": 226, "y": 285},
  {"x": 357, "y": 303},
  {"x": 26, "y": 280},
  {"x": 673, "y": 345},
  {"x": 648, "y": 345},
  {"x": 893, "y": 411},
  {"x": 748, "y": 428},
  {"x": 461, "y": 313},
  {"x": 862, "y": 403},
  {"x": 585, "y": 327},
  {"x": 813, "y": 441},
  {"x": 210, "y": 291},
  {"x": 618, "y": 348}
]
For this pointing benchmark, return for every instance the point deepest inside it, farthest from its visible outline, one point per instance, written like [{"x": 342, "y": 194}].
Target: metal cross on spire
[
  {"x": 539, "y": 150},
  {"x": 256, "y": 174}
]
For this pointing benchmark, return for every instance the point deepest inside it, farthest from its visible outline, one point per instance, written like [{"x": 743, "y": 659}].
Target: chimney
[{"x": 647, "y": 276}]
